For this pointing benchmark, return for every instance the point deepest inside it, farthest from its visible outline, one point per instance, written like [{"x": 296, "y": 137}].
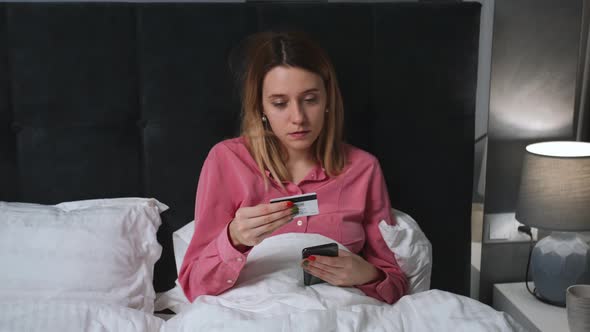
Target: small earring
[
  {"x": 326, "y": 110},
  {"x": 263, "y": 118}
]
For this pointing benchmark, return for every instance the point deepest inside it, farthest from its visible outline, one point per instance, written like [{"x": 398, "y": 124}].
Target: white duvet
[
  {"x": 270, "y": 296},
  {"x": 74, "y": 316}
]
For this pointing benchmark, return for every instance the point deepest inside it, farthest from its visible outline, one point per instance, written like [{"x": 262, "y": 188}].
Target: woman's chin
[{"x": 299, "y": 145}]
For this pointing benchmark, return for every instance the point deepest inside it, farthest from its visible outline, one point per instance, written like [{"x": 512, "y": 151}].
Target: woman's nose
[{"x": 297, "y": 113}]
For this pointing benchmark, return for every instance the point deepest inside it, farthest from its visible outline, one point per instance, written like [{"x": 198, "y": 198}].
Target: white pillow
[
  {"x": 412, "y": 250},
  {"x": 406, "y": 240},
  {"x": 95, "y": 250}
]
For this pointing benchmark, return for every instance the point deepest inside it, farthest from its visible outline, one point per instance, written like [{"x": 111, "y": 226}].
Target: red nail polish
[
  {"x": 311, "y": 258},
  {"x": 289, "y": 204}
]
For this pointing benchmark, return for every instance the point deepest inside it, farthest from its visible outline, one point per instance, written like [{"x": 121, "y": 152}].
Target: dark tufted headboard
[{"x": 126, "y": 99}]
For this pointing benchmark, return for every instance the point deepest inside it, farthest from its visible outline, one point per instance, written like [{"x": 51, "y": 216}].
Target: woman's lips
[{"x": 299, "y": 134}]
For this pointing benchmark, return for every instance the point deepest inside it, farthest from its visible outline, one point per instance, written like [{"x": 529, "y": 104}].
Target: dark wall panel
[
  {"x": 74, "y": 64},
  {"x": 73, "y": 70},
  {"x": 437, "y": 44},
  {"x": 184, "y": 52},
  {"x": 184, "y": 55},
  {"x": 60, "y": 164},
  {"x": 8, "y": 185},
  {"x": 186, "y": 89},
  {"x": 534, "y": 63}
]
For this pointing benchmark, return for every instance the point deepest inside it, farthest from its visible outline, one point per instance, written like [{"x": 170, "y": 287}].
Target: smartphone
[{"x": 329, "y": 249}]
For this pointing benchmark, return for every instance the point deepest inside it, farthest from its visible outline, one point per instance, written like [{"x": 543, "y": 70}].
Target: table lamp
[{"x": 555, "y": 195}]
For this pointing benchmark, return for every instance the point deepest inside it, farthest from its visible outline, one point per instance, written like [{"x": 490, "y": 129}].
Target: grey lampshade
[{"x": 555, "y": 186}]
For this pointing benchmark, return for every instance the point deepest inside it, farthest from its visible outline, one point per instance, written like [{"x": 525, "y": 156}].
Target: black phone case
[{"x": 329, "y": 249}]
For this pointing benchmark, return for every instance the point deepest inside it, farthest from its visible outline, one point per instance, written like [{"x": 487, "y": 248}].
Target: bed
[{"x": 109, "y": 100}]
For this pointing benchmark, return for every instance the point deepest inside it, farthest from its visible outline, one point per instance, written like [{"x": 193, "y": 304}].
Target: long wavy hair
[{"x": 262, "y": 52}]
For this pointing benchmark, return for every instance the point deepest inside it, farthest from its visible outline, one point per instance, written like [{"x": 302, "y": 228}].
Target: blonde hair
[{"x": 267, "y": 50}]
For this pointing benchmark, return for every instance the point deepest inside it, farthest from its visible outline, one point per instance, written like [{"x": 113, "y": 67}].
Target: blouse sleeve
[
  {"x": 392, "y": 284},
  {"x": 211, "y": 264}
]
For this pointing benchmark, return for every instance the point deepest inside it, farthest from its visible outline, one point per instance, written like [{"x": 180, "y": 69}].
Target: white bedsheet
[{"x": 270, "y": 296}]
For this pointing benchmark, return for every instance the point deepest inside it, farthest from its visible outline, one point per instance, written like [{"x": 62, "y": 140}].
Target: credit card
[{"x": 307, "y": 204}]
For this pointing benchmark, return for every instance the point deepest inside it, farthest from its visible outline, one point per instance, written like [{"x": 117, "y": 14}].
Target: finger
[
  {"x": 256, "y": 235},
  {"x": 262, "y": 237},
  {"x": 344, "y": 253},
  {"x": 329, "y": 261},
  {"x": 262, "y": 209},
  {"x": 265, "y": 231},
  {"x": 326, "y": 267},
  {"x": 323, "y": 267},
  {"x": 272, "y": 218},
  {"x": 272, "y": 226},
  {"x": 326, "y": 275}
]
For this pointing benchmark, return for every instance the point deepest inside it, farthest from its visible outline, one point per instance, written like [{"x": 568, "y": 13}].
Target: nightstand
[{"x": 532, "y": 314}]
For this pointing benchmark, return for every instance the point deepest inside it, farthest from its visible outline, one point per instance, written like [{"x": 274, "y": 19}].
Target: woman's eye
[
  {"x": 311, "y": 100},
  {"x": 279, "y": 104}
]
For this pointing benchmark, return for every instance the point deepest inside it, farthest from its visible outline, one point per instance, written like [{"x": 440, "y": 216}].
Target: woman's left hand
[{"x": 347, "y": 269}]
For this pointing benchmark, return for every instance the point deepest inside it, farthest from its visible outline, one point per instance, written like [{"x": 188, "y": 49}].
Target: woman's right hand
[{"x": 253, "y": 224}]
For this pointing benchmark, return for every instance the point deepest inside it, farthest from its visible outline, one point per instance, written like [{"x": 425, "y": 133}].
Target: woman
[{"x": 291, "y": 143}]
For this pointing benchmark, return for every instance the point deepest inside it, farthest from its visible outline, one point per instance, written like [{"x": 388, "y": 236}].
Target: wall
[
  {"x": 582, "y": 120},
  {"x": 535, "y": 55}
]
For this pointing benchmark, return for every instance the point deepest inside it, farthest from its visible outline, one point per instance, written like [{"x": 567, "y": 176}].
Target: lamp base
[{"x": 558, "y": 261}]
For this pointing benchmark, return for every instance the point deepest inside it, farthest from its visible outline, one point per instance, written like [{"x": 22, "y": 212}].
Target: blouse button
[
  {"x": 229, "y": 281},
  {"x": 239, "y": 259},
  {"x": 299, "y": 222}
]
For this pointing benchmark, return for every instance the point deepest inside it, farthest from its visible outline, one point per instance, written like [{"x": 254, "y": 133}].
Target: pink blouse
[{"x": 351, "y": 206}]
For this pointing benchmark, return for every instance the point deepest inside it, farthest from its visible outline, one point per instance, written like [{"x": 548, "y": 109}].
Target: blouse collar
[{"x": 317, "y": 174}]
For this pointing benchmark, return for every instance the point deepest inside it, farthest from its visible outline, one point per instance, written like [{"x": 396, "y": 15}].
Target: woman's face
[{"x": 294, "y": 102}]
